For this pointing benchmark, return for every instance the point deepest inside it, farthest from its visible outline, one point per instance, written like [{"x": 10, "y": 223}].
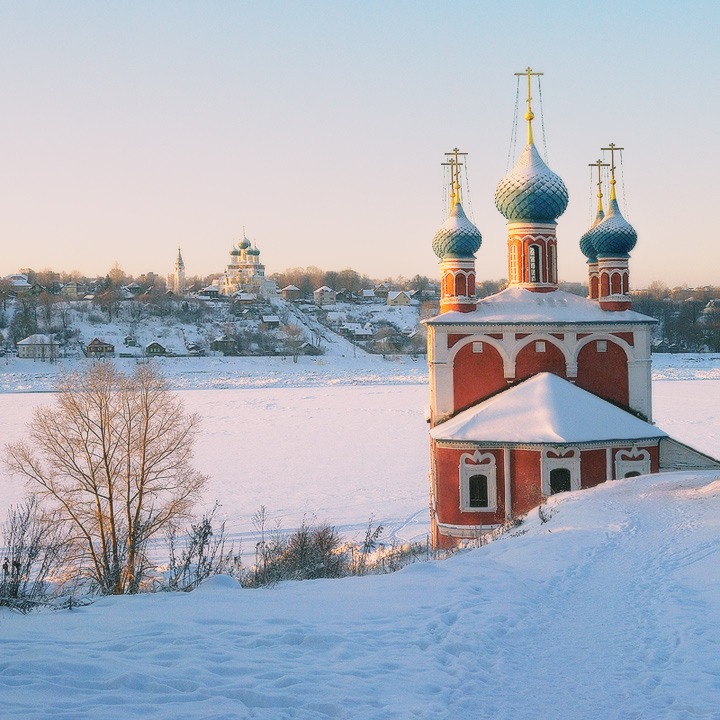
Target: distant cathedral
[
  {"x": 245, "y": 272},
  {"x": 533, "y": 390}
]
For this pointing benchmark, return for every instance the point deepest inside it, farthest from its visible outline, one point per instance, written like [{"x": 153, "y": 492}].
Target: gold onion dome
[
  {"x": 531, "y": 191},
  {"x": 614, "y": 236},
  {"x": 457, "y": 237}
]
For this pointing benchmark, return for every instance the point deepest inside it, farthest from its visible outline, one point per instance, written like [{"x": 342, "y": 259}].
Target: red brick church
[{"x": 535, "y": 391}]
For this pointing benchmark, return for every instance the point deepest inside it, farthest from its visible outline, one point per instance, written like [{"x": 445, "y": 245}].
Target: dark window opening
[
  {"x": 534, "y": 263},
  {"x": 478, "y": 491},
  {"x": 559, "y": 480},
  {"x": 632, "y": 473}
]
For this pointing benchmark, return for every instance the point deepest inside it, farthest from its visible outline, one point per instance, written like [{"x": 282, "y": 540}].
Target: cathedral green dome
[
  {"x": 614, "y": 236},
  {"x": 244, "y": 244},
  {"x": 531, "y": 191},
  {"x": 458, "y": 237}
]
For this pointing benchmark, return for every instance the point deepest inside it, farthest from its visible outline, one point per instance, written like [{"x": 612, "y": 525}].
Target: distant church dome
[
  {"x": 531, "y": 191},
  {"x": 234, "y": 251},
  {"x": 253, "y": 251},
  {"x": 244, "y": 244},
  {"x": 614, "y": 235},
  {"x": 457, "y": 237}
]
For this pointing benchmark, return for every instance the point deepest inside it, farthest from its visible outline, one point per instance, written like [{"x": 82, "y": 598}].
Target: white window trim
[
  {"x": 571, "y": 462},
  {"x": 632, "y": 461},
  {"x": 478, "y": 463}
]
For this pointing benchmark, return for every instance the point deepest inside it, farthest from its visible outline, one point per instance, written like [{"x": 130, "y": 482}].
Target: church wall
[
  {"x": 531, "y": 361},
  {"x": 476, "y": 375},
  {"x": 447, "y": 463},
  {"x": 526, "y": 483},
  {"x": 604, "y": 373},
  {"x": 593, "y": 464}
]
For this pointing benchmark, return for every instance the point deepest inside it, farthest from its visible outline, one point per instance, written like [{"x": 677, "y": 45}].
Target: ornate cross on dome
[
  {"x": 455, "y": 165},
  {"x": 613, "y": 148},
  {"x": 529, "y": 116},
  {"x": 599, "y": 164}
]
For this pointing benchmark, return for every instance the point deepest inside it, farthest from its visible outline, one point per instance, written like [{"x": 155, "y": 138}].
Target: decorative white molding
[
  {"x": 570, "y": 461},
  {"x": 478, "y": 463},
  {"x": 632, "y": 461}
]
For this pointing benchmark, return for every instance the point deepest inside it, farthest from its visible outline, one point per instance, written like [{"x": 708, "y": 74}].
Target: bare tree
[{"x": 113, "y": 458}]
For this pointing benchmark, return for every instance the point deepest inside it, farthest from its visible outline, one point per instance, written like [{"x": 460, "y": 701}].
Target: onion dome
[
  {"x": 244, "y": 244},
  {"x": 531, "y": 191},
  {"x": 587, "y": 246},
  {"x": 253, "y": 251},
  {"x": 614, "y": 236},
  {"x": 457, "y": 237},
  {"x": 234, "y": 251}
]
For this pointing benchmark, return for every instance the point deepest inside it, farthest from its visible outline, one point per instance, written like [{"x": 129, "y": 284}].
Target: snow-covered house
[
  {"x": 291, "y": 292},
  {"x": 324, "y": 296},
  {"x": 155, "y": 348},
  {"x": 38, "y": 347},
  {"x": 398, "y": 297},
  {"x": 534, "y": 390},
  {"x": 270, "y": 322},
  {"x": 99, "y": 348}
]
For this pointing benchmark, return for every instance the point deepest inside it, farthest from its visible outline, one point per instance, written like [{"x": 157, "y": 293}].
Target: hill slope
[{"x": 610, "y": 609}]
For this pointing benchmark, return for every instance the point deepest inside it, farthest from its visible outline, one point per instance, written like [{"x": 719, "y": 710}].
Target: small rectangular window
[
  {"x": 478, "y": 491},
  {"x": 602, "y": 346},
  {"x": 477, "y": 347},
  {"x": 540, "y": 346}
]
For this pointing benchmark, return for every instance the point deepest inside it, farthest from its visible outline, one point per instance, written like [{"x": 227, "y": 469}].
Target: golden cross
[
  {"x": 612, "y": 148},
  {"x": 455, "y": 165},
  {"x": 599, "y": 164},
  {"x": 529, "y": 116}
]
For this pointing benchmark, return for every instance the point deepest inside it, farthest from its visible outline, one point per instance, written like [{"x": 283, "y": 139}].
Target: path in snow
[{"x": 608, "y": 611}]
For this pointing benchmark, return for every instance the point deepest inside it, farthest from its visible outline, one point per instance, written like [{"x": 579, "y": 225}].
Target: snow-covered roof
[
  {"x": 270, "y": 319},
  {"x": 544, "y": 409},
  {"x": 518, "y": 306},
  {"x": 324, "y": 288},
  {"x": 291, "y": 287},
  {"x": 394, "y": 294},
  {"x": 37, "y": 340}
]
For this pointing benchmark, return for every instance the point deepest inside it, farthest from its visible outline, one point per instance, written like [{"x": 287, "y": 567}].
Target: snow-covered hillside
[{"x": 608, "y": 610}]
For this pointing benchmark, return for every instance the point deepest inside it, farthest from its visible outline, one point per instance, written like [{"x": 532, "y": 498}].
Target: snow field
[{"x": 608, "y": 610}]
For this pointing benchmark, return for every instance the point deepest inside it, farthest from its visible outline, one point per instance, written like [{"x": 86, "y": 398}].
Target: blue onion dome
[
  {"x": 234, "y": 251},
  {"x": 253, "y": 251},
  {"x": 587, "y": 246},
  {"x": 614, "y": 236},
  {"x": 457, "y": 237},
  {"x": 531, "y": 191},
  {"x": 244, "y": 244}
]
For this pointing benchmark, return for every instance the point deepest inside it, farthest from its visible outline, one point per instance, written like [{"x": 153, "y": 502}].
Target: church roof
[
  {"x": 518, "y": 306},
  {"x": 531, "y": 191},
  {"x": 614, "y": 235},
  {"x": 457, "y": 237},
  {"x": 546, "y": 409}
]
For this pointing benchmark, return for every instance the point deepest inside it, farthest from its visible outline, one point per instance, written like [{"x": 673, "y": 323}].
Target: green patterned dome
[
  {"x": 244, "y": 244},
  {"x": 458, "y": 237},
  {"x": 531, "y": 191},
  {"x": 587, "y": 246},
  {"x": 614, "y": 236}
]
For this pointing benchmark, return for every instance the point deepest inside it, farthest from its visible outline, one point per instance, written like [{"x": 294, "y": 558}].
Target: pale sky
[{"x": 129, "y": 128}]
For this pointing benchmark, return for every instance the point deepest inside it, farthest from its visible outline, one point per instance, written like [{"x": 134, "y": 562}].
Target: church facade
[{"x": 534, "y": 390}]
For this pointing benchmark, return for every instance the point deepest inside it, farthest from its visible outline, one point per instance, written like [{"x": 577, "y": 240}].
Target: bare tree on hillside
[{"x": 112, "y": 457}]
